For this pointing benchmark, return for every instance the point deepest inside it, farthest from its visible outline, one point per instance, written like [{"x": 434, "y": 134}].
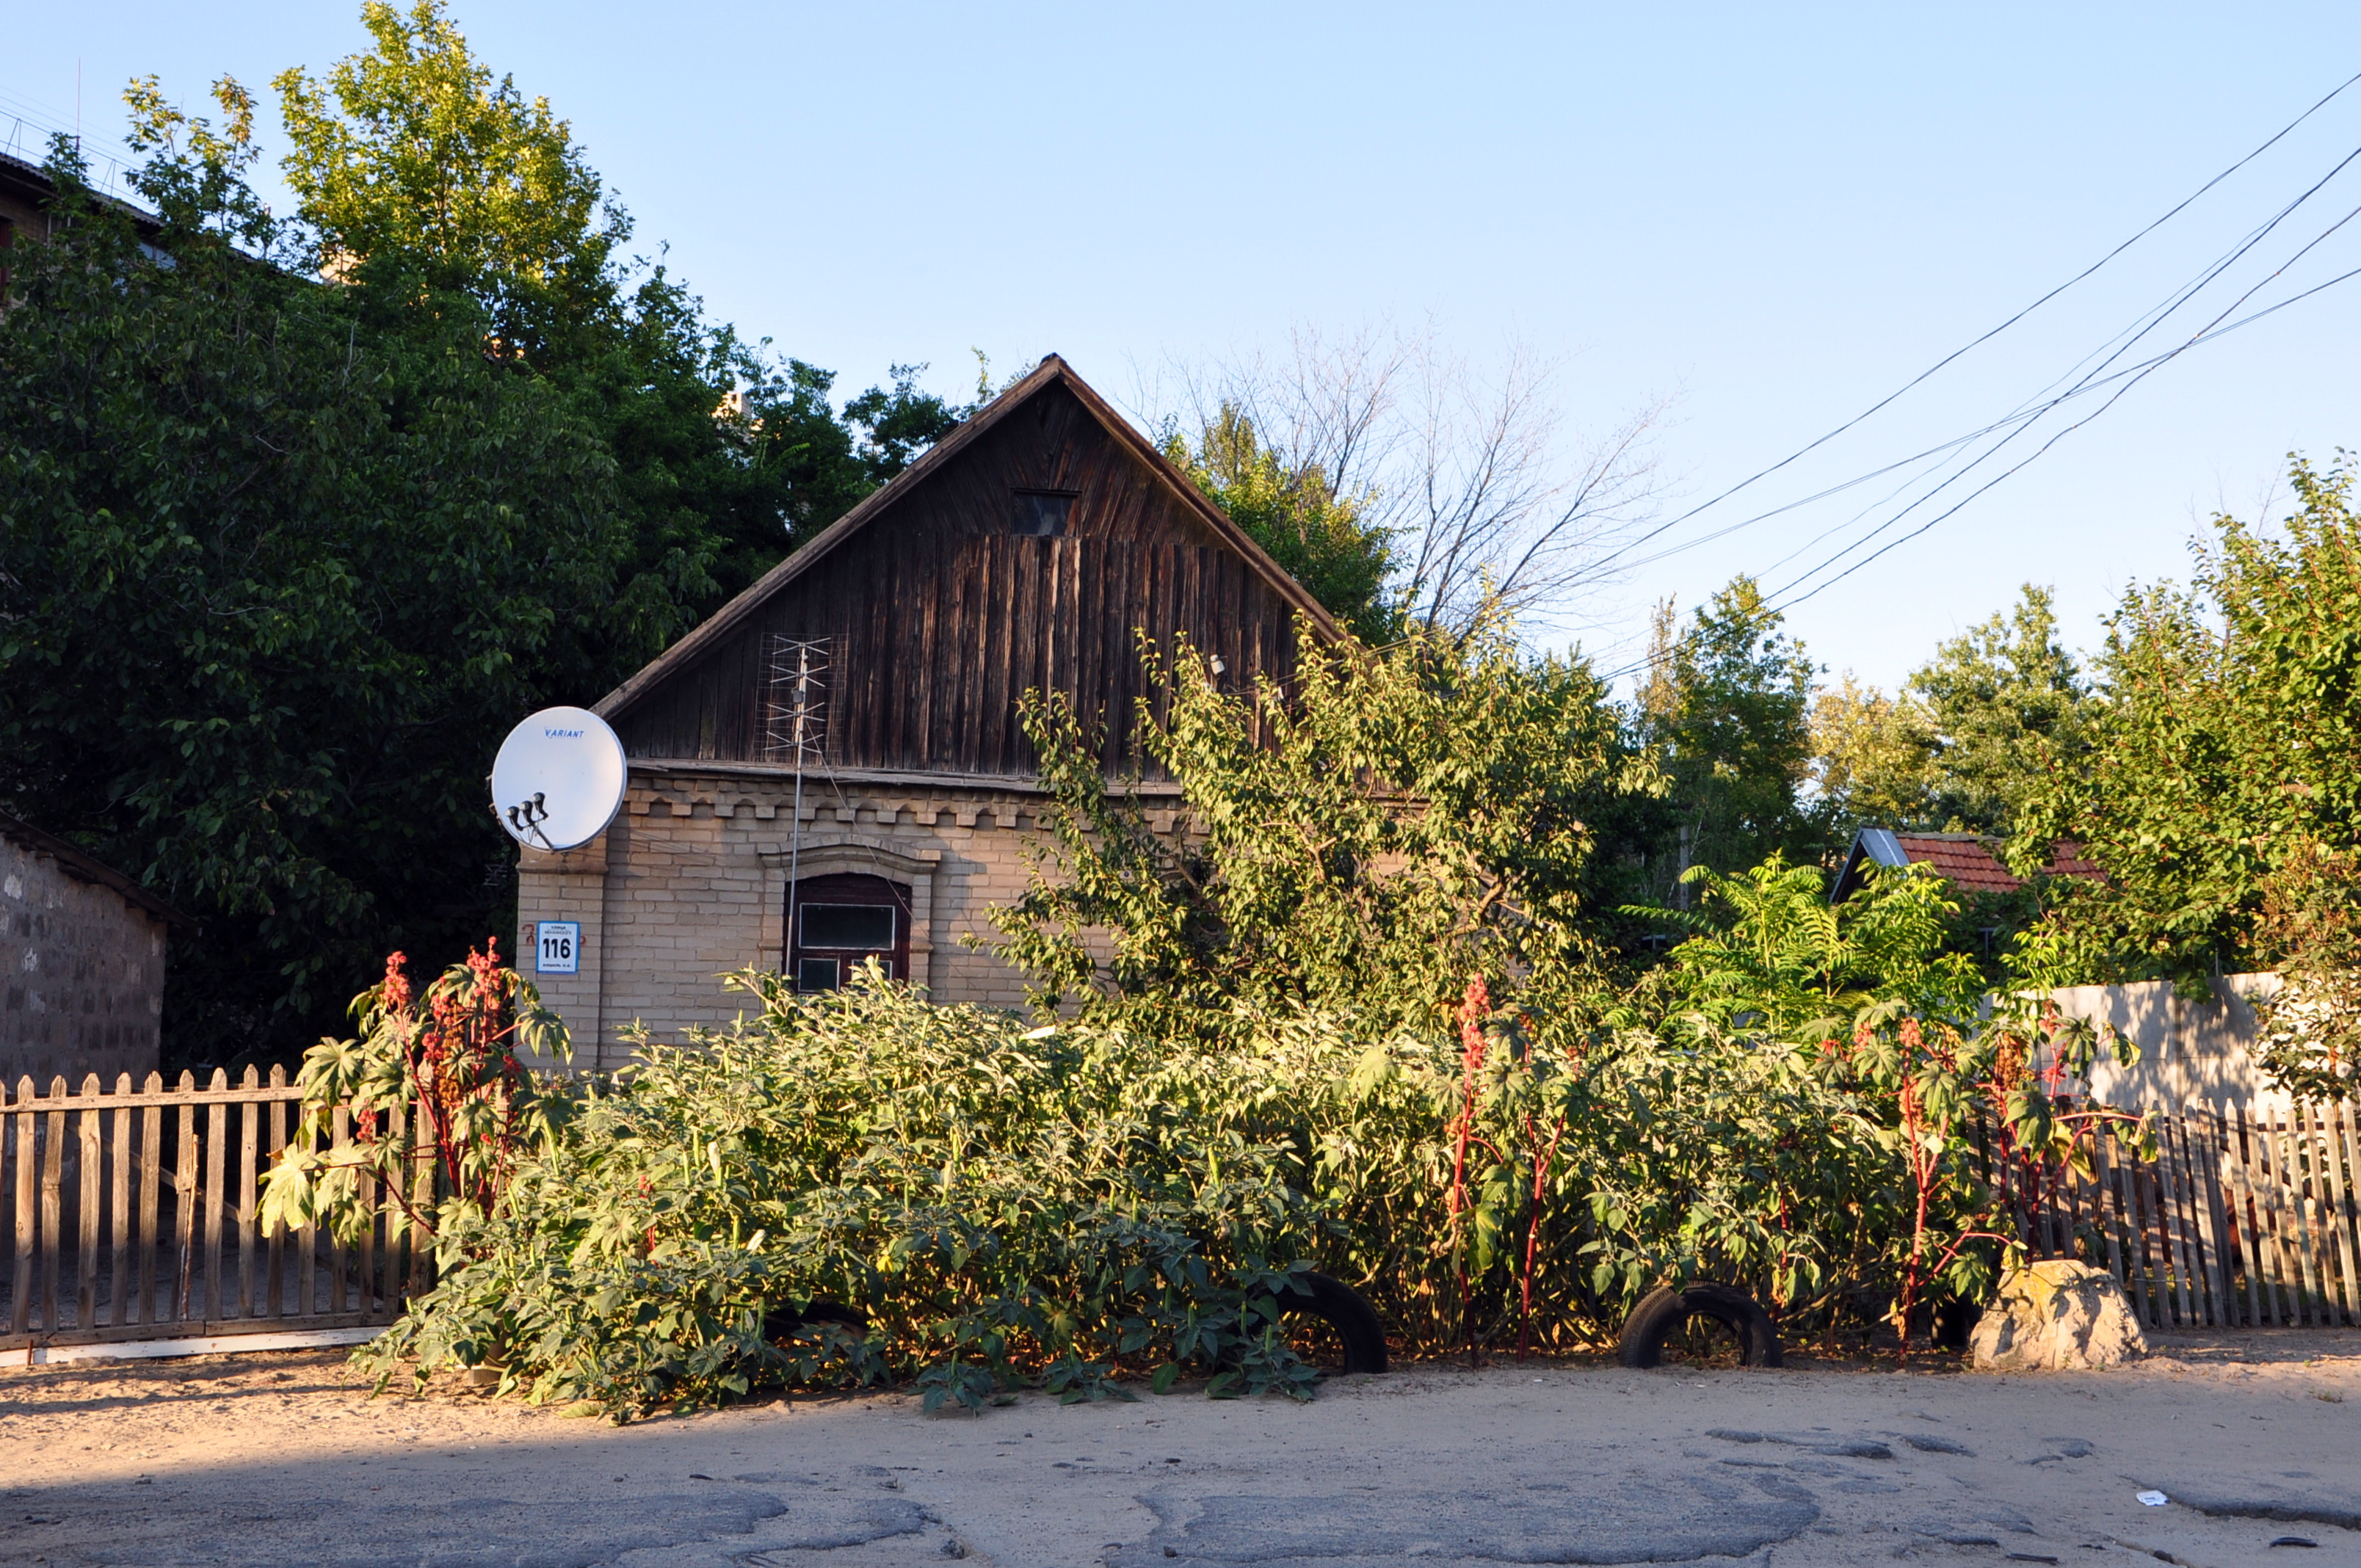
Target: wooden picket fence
[
  {"x": 2244, "y": 1218},
  {"x": 135, "y": 1215}
]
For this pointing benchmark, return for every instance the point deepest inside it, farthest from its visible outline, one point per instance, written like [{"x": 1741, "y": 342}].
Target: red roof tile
[
  {"x": 1967, "y": 861},
  {"x": 1964, "y": 858}
]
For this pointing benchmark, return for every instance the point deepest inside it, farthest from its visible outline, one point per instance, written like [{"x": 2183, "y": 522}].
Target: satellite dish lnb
[{"x": 558, "y": 779}]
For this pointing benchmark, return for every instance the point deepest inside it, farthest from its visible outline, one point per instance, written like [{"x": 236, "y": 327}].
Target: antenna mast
[{"x": 796, "y": 729}]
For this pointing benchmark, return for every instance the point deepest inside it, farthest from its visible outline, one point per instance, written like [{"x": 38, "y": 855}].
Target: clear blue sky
[{"x": 1774, "y": 214}]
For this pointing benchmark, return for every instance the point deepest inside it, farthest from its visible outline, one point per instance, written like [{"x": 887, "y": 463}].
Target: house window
[
  {"x": 836, "y": 923},
  {"x": 1041, "y": 514}
]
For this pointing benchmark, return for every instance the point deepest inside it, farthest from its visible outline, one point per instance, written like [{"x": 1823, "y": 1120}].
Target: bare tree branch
[{"x": 1490, "y": 508}]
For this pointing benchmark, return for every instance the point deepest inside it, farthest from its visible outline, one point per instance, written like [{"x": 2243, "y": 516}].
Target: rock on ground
[{"x": 2056, "y": 1316}]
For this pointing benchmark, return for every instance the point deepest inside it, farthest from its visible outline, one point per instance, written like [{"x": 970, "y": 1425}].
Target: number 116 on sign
[{"x": 560, "y": 948}]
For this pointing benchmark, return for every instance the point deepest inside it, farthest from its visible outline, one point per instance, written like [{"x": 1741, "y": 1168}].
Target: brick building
[
  {"x": 1035, "y": 547},
  {"x": 81, "y": 964}
]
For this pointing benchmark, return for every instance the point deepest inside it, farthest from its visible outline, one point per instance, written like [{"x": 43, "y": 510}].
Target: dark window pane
[
  {"x": 815, "y": 974},
  {"x": 848, "y": 926},
  {"x": 1041, "y": 514}
]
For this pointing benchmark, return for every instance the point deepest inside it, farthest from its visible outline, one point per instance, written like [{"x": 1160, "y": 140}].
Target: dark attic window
[{"x": 1041, "y": 514}]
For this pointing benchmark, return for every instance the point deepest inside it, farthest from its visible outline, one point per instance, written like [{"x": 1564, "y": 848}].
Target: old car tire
[
  {"x": 1662, "y": 1310},
  {"x": 781, "y": 1322},
  {"x": 1346, "y": 1310}
]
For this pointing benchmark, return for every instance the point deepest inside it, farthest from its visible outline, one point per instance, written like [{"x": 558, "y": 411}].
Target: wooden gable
[{"x": 942, "y": 604}]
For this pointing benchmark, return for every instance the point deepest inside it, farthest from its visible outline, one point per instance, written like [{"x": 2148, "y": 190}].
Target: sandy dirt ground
[{"x": 282, "y": 1459}]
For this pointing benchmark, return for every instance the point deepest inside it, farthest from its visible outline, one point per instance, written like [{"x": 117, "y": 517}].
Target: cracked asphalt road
[{"x": 281, "y": 1459}]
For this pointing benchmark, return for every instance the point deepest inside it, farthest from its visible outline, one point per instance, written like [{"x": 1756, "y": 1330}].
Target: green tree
[
  {"x": 1316, "y": 534},
  {"x": 2221, "y": 741},
  {"x": 2008, "y": 702},
  {"x": 1728, "y": 702},
  {"x": 423, "y": 180},
  {"x": 271, "y": 586},
  {"x": 1873, "y": 757},
  {"x": 1372, "y": 837},
  {"x": 411, "y": 148}
]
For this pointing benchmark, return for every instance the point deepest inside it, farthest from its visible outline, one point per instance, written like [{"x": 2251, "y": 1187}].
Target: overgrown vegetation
[{"x": 1355, "y": 1021}]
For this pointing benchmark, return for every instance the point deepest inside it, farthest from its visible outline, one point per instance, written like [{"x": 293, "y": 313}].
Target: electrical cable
[
  {"x": 2127, "y": 373},
  {"x": 2203, "y": 334},
  {"x": 1801, "y": 452}
]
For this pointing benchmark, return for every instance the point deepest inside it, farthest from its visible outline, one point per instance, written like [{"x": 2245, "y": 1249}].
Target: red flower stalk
[{"x": 1473, "y": 1048}]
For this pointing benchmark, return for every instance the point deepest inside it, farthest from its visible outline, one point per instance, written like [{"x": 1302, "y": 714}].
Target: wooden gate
[
  {"x": 2245, "y": 1217},
  {"x": 135, "y": 1215}
]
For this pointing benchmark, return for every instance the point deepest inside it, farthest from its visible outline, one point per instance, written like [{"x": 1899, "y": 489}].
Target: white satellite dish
[{"x": 558, "y": 779}]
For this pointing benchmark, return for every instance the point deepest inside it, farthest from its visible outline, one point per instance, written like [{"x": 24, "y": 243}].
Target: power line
[
  {"x": 2129, "y": 375},
  {"x": 2203, "y": 334},
  {"x": 2182, "y": 297},
  {"x": 2176, "y": 209}
]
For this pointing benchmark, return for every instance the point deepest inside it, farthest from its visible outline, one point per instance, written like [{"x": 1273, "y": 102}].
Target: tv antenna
[
  {"x": 558, "y": 779},
  {"x": 795, "y": 728}
]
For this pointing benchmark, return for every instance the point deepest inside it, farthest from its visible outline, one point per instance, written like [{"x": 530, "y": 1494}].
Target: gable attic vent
[{"x": 1041, "y": 514}]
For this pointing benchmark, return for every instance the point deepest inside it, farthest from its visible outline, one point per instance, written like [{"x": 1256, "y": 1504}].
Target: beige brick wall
[{"x": 690, "y": 883}]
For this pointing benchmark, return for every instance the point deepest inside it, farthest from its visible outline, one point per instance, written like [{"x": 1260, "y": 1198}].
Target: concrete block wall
[
  {"x": 82, "y": 975},
  {"x": 690, "y": 883}
]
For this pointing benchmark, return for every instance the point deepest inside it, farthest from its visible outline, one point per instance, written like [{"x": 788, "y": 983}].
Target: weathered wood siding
[{"x": 941, "y": 615}]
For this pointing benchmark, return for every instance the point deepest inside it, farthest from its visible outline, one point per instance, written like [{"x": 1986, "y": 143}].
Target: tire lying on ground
[
  {"x": 781, "y": 1322},
  {"x": 1346, "y": 1310},
  {"x": 1663, "y": 1311}
]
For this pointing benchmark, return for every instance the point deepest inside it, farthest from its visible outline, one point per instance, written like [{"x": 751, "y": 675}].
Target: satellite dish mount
[{"x": 559, "y": 779}]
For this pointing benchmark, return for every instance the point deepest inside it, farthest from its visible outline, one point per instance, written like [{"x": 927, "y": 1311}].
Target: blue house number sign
[{"x": 560, "y": 951}]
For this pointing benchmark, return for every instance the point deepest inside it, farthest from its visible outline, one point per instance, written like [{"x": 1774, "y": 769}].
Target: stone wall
[
  {"x": 82, "y": 974},
  {"x": 690, "y": 883}
]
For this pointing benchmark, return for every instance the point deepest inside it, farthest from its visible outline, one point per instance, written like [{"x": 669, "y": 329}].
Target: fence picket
[
  {"x": 248, "y": 1146},
  {"x": 2205, "y": 1140},
  {"x": 2141, "y": 1208},
  {"x": 20, "y": 1304},
  {"x": 216, "y": 1183},
  {"x": 2348, "y": 1177},
  {"x": 421, "y": 1199},
  {"x": 2101, "y": 1166},
  {"x": 2250, "y": 1242},
  {"x": 274, "y": 1302},
  {"x": 184, "y": 1201},
  {"x": 2318, "y": 1209},
  {"x": 337, "y": 1260},
  {"x": 2287, "y": 1264},
  {"x": 151, "y": 1179},
  {"x": 118, "y": 1293},
  {"x": 53, "y": 1201},
  {"x": 2171, "y": 1201},
  {"x": 89, "y": 1167}
]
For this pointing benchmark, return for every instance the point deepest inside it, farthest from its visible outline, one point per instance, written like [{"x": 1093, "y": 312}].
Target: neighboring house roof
[
  {"x": 1053, "y": 371},
  {"x": 24, "y": 184},
  {"x": 81, "y": 868},
  {"x": 1966, "y": 861}
]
